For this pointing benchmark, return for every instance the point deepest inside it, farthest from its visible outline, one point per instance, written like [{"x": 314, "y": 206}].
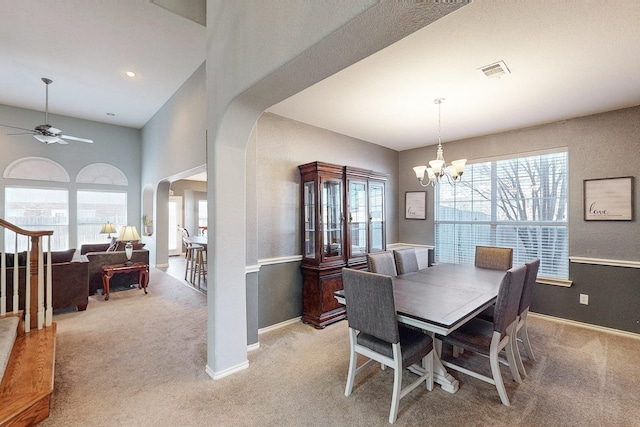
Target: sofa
[
  {"x": 69, "y": 280},
  {"x": 100, "y": 254}
]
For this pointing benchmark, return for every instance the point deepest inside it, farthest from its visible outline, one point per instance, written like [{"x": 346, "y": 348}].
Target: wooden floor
[{"x": 27, "y": 385}]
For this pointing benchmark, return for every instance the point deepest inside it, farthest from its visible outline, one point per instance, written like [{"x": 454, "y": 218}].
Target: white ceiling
[
  {"x": 567, "y": 59},
  {"x": 85, "y": 47}
]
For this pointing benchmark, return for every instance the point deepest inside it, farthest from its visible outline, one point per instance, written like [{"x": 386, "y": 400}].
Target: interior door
[{"x": 175, "y": 223}]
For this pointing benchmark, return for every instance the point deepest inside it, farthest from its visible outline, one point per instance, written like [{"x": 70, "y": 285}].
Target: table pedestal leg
[{"x": 440, "y": 375}]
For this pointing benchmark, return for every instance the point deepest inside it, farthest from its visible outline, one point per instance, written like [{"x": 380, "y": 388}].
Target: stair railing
[{"x": 37, "y": 293}]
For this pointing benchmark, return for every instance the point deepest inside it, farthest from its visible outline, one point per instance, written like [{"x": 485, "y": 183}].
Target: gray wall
[
  {"x": 283, "y": 144},
  {"x": 278, "y": 146},
  {"x": 115, "y": 145},
  {"x": 599, "y": 146}
]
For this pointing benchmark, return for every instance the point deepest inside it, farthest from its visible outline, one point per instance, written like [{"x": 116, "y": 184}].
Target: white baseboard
[
  {"x": 585, "y": 325},
  {"x": 279, "y": 325},
  {"x": 226, "y": 372},
  {"x": 252, "y": 347}
]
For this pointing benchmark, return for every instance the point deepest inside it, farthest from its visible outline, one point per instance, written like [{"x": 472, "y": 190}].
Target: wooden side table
[{"x": 108, "y": 271}]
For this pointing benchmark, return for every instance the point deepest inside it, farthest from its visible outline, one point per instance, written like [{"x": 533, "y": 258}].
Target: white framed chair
[
  {"x": 489, "y": 338},
  {"x": 406, "y": 260},
  {"x": 374, "y": 332},
  {"x": 382, "y": 263},
  {"x": 521, "y": 333}
]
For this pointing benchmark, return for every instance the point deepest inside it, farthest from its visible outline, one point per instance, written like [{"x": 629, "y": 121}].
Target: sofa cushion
[
  {"x": 93, "y": 247},
  {"x": 58, "y": 257},
  {"x": 22, "y": 258},
  {"x": 120, "y": 246}
]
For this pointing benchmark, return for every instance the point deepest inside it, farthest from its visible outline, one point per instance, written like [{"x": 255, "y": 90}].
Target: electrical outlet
[{"x": 584, "y": 299}]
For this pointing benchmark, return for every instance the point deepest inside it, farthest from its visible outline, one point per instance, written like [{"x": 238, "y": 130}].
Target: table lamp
[
  {"x": 128, "y": 234},
  {"x": 108, "y": 228}
]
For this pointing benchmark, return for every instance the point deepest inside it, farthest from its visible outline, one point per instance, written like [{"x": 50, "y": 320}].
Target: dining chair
[
  {"x": 382, "y": 263},
  {"x": 406, "y": 260},
  {"x": 494, "y": 258},
  {"x": 521, "y": 333},
  {"x": 374, "y": 332},
  {"x": 489, "y": 338}
]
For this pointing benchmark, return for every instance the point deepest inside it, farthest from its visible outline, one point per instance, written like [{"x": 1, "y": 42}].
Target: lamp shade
[
  {"x": 129, "y": 234},
  {"x": 108, "y": 228}
]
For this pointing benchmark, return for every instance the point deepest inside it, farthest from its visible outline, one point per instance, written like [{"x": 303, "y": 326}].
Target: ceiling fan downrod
[{"x": 47, "y": 82}]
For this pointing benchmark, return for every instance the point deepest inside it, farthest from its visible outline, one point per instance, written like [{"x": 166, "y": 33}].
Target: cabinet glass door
[
  {"x": 358, "y": 217},
  {"x": 376, "y": 216},
  {"x": 331, "y": 217},
  {"x": 309, "y": 220}
]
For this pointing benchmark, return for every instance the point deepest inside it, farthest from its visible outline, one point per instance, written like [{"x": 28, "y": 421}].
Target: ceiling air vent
[{"x": 495, "y": 71}]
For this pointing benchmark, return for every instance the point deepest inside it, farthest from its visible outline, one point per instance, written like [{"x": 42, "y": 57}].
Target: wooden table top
[
  {"x": 198, "y": 240},
  {"x": 443, "y": 297},
  {"x": 116, "y": 267}
]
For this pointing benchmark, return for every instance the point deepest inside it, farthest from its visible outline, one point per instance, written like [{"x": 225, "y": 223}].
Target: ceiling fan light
[{"x": 46, "y": 139}]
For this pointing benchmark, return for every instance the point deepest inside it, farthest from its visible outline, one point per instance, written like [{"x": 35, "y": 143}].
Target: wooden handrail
[
  {"x": 31, "y": 233},
  {"x": 36, "y": 291}
]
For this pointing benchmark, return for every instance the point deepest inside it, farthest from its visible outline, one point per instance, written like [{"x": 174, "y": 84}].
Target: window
[
  {"x": 519, "y": 203},
  {"x": 96, "y": 208},
  {"x": 202, "y": 213},
  {"x": 38, "y": 209}
]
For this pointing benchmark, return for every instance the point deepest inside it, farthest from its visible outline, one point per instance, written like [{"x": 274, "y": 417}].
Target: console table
[{"x": 108, "y": 271}]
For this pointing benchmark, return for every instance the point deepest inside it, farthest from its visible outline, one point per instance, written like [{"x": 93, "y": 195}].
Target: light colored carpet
[{"x": 139, "y": 360}]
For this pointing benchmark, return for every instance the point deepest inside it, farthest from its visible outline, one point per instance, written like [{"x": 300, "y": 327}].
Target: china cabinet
[{"x": 342, "y": 218}]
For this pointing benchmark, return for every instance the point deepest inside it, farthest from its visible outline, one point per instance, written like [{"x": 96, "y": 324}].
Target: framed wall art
[
  {"x": 608, "y": 199},
  {"x": 415, "y": 205}
]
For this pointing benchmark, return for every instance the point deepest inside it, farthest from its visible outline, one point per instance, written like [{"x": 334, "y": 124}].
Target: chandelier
[{"x": 438, "y": 167}]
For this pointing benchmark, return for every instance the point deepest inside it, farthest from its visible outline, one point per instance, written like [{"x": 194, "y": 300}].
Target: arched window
[
  {"x": 36, "y": 168},
  {"x": 101, "y": 173}
]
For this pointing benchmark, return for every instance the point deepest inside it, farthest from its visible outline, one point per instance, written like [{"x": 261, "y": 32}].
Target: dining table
[
  {"x": 440, "y": 299},
  {"x": 197, "y": 240}
]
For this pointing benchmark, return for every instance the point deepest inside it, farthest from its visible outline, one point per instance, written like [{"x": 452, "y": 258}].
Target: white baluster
[
  {"x": 41, "y": 283},
  {"x": 3, "y": 285},
  {"x": 49, "y": 312},
  {"x": 27, "y": 289},
  {"x": 16, "y": 277}
]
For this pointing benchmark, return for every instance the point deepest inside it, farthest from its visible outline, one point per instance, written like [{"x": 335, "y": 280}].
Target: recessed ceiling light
[
  {"x": 110, "y": 114},
  {"x": 130, "y": 74}
]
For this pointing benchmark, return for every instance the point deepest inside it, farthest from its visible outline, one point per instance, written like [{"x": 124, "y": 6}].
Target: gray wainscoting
[
  {"x": 614, "y": 297},
  {"x": 279, "y": 293}
]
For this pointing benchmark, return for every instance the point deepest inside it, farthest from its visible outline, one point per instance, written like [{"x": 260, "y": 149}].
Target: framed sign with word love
[
  {"x": 608, "y": 199},
  {"x": 415, "y": 205}
]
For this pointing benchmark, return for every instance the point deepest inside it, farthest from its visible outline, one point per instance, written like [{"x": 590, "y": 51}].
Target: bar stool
[{"x": 199, "y": 269}]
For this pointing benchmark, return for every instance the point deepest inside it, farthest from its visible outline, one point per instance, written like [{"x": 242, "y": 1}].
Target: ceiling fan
[{"x": 47, "y": 133}]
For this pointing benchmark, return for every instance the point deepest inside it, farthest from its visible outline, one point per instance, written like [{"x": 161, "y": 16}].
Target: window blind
[{"x": 518, "y": 202}]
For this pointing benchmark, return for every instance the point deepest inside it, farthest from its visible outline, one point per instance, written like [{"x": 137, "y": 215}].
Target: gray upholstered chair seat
[
  {"x": 414, "y": 344},
  {"x": 475, "y": 335}
]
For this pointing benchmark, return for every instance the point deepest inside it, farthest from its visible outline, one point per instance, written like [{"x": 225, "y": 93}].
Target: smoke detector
[{"x": 495, "y": 71}]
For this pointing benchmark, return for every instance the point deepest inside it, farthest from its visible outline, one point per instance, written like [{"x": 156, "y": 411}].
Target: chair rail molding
[{"x": 608, "y": 262}]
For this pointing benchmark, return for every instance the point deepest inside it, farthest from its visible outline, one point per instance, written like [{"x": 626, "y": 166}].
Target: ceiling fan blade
[
  {"x": 21, "y": 133},
  {"x": 15, "y": 127},
  {"x": 75, "y": 138},
  {"x": 62, "y": 141}
]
